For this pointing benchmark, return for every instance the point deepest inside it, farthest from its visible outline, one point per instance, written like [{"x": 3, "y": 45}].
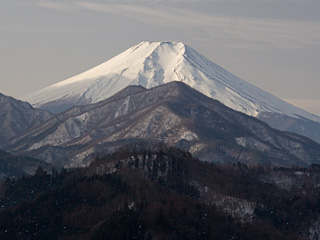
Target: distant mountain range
[
  {"x": 150, "y": 64},
  {"x": 174, "y": 114}
]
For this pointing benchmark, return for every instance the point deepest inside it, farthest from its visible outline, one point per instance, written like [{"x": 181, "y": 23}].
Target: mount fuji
[{"x": 150, "y": 64}]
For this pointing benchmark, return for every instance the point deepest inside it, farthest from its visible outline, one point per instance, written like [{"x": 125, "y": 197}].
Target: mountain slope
[
  {"x": 16, "y": 117},
  {"x": 18, "y": 166},
  {"x": 150, "y": 64},
  {"x": 172, "y": 113}
]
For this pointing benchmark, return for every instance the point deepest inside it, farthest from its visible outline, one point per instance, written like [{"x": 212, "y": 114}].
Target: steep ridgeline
[
  {"x": 16, "y": 117},
  {"x": 174, "y": 114},
  {"x": 150, "y": 64}
]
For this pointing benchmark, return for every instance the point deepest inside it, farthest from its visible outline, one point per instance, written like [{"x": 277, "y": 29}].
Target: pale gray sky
[{"x": 273, "y": 44}]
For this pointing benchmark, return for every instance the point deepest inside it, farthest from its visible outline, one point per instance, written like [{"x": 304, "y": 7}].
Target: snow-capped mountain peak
[{"x": 150, "y": 64}]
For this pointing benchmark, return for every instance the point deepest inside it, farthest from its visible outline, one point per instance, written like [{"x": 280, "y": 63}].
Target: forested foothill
[{"x": 162, "y": 194}]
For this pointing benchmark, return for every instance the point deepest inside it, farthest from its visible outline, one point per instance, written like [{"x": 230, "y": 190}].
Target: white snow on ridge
[{"x": 150, "y": 64}]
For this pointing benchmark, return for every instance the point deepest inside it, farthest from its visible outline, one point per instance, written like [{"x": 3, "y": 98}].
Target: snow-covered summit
[{"x": 153, "y": 63}]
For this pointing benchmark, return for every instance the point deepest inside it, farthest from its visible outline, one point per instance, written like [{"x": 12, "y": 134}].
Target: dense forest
[{"x": 162, "y": 194}]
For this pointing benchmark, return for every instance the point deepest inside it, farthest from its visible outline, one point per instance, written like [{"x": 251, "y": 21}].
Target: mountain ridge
[
  {"x": 17, "y": 116},
  {"x": 173, "y": 113}
]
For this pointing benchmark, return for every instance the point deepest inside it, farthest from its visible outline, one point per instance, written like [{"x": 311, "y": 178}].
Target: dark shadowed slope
[{"x": 16, "y": 117}]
